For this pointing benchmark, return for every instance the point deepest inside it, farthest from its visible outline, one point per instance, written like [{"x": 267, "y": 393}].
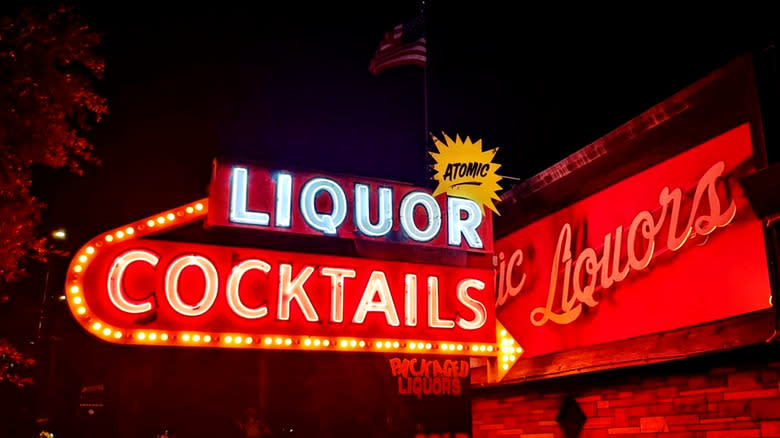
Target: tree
[
  {"x": 14, "y": 366},
  {"x": 48, "y": 104}
]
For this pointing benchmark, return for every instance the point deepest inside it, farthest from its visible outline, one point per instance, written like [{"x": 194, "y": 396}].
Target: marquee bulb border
[{"x": 187, "y": 214}]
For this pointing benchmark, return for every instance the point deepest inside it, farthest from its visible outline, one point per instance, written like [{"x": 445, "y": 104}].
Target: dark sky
[{"x": 289, "y": 84}]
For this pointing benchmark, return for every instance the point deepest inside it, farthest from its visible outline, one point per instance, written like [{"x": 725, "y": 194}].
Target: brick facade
[{"x": 734, "y": 394}]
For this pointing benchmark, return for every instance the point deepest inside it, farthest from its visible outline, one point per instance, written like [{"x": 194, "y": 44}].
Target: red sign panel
[
  {"x": 673, "y": 246},
  {"x": 252, "y": 197},
  {"x": 140, "y": 286}
]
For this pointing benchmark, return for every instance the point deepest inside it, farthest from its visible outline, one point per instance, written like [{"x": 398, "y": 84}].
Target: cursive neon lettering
[{"x": 591, "y": 272}]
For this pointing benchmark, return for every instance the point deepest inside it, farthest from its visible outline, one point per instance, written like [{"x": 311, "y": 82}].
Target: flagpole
[
  {"x": 426, "y": 144},
  {"x": 425, "y": 110}
]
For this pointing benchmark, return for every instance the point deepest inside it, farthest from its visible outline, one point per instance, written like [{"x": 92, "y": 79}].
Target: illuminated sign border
[{"x": 197, "y": 210}]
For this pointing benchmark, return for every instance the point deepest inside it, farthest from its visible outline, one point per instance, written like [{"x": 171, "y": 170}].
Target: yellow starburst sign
[{"x": 463, "y": 169}]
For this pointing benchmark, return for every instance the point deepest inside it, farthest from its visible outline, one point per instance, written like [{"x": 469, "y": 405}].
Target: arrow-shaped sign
[{"x": 124, "y": 287}]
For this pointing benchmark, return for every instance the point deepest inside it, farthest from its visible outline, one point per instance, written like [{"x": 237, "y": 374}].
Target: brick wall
[{"x": 731, "y": 394}]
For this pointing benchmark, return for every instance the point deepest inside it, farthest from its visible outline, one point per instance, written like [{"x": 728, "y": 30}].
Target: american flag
[{"x": 404, "y": 45}]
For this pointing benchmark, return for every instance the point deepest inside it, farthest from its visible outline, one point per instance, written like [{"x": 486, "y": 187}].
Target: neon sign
[
  {"x": 128, "y": 289},
  {"x": 429, "y": 377},
  {"x": 603, "y": 271},
  {"x": 253, "y": 197},
  {"x": 672, "y": 246}
]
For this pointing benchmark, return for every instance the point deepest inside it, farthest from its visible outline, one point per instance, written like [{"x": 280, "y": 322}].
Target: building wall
[{"x": 734, "y": 394}]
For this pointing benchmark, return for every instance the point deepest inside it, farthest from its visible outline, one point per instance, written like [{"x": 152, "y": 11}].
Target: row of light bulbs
[
  {"x": 278, "y": 341},
  {"x": 509, "y": 352},
  {"x": 192, "y": 212}
]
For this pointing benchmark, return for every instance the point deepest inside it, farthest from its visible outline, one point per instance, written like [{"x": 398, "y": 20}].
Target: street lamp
[
  {"x": 59, "y": 234},
  {"x": 45, "y": 364}
]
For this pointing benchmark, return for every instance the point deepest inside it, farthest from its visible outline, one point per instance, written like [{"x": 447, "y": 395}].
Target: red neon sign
[
  {"x": 673, "y": 246},
  {"x": 127, "y": 289},
  {"x": 253, "y": 197}
]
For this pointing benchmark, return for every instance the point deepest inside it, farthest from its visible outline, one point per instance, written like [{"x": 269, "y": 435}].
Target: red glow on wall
[{"x": 564, "y": 283}]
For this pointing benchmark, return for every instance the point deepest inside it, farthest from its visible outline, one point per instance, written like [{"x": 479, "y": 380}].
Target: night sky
[{"x": 289, "y": 85}]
